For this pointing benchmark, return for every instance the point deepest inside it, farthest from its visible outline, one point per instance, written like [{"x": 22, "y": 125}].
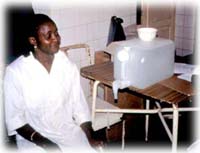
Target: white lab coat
[{"x": 52, "y": 103}]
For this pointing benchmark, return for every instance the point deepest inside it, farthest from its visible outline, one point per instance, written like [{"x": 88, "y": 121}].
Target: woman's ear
[{"x": 32, "y": 41}]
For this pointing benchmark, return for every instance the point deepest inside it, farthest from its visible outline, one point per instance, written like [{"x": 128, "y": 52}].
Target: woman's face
[{"x": 48, "y": 38}]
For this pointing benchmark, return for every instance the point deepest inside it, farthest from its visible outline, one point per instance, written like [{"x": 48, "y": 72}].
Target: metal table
[{"x": 172, "y": 90}]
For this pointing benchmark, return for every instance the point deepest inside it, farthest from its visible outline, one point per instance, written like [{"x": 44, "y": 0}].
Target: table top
[{"x": 171, "y": 90}]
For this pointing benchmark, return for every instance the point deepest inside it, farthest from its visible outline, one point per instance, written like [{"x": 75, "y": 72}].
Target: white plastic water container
[{"x": 141, "y": 64}]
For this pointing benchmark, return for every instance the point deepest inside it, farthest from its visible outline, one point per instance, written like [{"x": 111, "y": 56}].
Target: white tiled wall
[
  {"x": 185, "y": 27},
  {"x": 87, "y": 24},
  {"x": 82, "y": 24}
]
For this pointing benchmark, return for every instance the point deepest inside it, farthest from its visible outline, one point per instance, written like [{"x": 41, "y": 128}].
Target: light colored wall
[
  {"x": 185, "y": 27},
  {"x": 87, "y": 24}
]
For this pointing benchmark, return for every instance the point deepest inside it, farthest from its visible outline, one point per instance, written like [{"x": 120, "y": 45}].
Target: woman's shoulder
[
  {"x": 65, "y": 61},
  {"x": 16, "y": 63},
  {"x": 64, "y": 57},
  {"x": 61, "y": 54},
  {"x": 19, "y": 62}
]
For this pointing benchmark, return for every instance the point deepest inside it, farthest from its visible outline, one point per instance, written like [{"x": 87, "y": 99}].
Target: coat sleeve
[
  {"x": 13, "y": 102},
  {"x": 81, "y": 112}
]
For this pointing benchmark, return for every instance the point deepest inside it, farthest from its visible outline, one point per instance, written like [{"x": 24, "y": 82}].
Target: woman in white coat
[{"x": 44, "y": 103}]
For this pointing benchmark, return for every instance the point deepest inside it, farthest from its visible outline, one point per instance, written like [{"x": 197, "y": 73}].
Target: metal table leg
[
  {"x": 175, "y": 128},
  {"x": 147, "y": 120}
]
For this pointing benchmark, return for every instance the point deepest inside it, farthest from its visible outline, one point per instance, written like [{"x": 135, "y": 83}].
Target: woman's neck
[{"x": 45, "y": 59}]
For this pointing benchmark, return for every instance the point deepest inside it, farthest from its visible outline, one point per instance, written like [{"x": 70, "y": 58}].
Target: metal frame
[
  {"x": 173, "y": 136},
  {"x": 107, "y": 111}
]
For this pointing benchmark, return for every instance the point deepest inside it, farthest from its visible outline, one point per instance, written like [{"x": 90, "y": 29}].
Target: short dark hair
[{"x": 36, "y": 21}]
